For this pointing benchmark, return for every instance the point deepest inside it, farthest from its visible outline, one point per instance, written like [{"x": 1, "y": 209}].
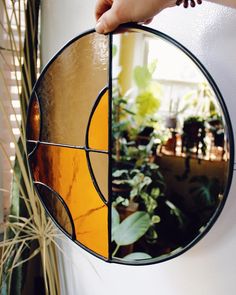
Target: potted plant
[{"x": 194, "y": 135}]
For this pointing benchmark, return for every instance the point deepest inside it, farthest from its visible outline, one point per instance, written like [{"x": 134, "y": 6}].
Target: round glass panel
[{"x": 131, "y": 135}]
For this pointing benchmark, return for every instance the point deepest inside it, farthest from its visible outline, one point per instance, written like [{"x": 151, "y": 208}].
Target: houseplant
[{"x": 28, "y": 262}]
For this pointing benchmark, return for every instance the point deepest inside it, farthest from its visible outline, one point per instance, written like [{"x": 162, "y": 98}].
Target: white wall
[{"x": 209, "y": 268}]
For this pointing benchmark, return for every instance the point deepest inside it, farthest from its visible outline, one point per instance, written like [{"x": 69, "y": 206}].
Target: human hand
[{"x": 111, "y": 13}]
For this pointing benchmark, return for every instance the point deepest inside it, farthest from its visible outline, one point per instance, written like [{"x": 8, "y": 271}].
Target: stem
[{"x": 116, "y": 250}]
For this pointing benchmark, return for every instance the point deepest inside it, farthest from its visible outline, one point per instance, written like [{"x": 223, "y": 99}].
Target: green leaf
[
  {"x": 155, "y": 192},
  {"x": 121, "y": 181},
  {"x": 146, "y": 181},
  {"x": 132, "y": 228},
  {"x": 147, "y": 103},
  {"x": 114, "y": 50},
  {"x": 115, "y": 222},
  {"x": 142, "y": 76},
  {"x": 152, "y": 66},
  {"x": 118, "y": 173},
  {"x": 156, "y": 219},
  {"x": 133, "y": 193},
  {"x": 137, "y": 256}
]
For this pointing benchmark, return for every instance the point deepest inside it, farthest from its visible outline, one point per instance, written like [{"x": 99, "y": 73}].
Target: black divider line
[{"x": 110, "y": 149}]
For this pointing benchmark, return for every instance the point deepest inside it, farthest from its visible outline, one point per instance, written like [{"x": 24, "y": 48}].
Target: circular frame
[{"x": 211, "y": 82}]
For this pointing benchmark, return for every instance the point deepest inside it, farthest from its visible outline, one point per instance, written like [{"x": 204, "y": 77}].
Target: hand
[{"x": 111, "y": 13}]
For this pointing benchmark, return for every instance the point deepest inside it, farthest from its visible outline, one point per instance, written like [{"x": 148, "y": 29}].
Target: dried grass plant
[{"x": 28, "y": 232}]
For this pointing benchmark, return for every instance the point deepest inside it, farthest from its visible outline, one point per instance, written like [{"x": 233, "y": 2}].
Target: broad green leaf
[
  {"x": 115, "y": 221},
  {"x": 137, "y": 256},
  {"x": 132, "y": 228}
]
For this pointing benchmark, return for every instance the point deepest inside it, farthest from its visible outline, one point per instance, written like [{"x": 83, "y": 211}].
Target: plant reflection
[{"x": 169, "y": 155}]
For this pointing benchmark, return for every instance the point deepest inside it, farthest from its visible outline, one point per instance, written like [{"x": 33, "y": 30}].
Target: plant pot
[
  {"x": 170, "y": 145},
  {"x": 124, "y": 212},
  {"x": 171, "y": 122},
  {"x": 122, "y": 190}
]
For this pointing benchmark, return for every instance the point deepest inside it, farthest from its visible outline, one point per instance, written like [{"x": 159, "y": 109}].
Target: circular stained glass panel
[{"x": 130, "y": 145}]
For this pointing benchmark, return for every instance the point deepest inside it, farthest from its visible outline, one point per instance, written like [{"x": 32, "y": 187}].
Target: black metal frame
[{"x": 86, "y": 148}]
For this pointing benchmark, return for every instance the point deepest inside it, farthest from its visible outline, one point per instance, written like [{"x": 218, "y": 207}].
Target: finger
[
  {"x": 101, "y": 7},
  {"x": 108, "y": 22},
  {"x": 148, "y": 21}
]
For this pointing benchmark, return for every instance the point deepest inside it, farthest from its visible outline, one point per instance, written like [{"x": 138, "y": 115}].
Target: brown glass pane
[
  {"x": 65, "y": 170},
  {"x": 69, "y": 88},
  {"x": 98, "y": 131},
  {"x": 55, "y": 207},
  {"x": 170, "y": 149},
  {"x": 33, "y": 126},
  {"x": 99, "y": 170}
]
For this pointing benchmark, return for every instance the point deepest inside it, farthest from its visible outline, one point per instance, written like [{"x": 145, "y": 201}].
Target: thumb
[{"x": 108, "y": 22}]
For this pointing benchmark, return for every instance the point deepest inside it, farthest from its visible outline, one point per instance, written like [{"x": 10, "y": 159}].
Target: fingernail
[{"x": 99, "y": 29}]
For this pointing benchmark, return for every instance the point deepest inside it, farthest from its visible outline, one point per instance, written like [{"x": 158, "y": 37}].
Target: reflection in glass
[
  {"x": 65, "y": 170},
  {"x": 170, "y": 148},
  {"x": 33, "y": 127},
  {"x": 68, "y": 89}
]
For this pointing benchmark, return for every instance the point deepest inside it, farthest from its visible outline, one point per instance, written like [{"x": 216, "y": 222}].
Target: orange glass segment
[
  {"x": 55, "y": 208},
  {"x": 99, "y": 166},
  {"x": 66, "y": 171},
  {"x": 98, "y": 131},
  {"x": 33, "y": 129}
]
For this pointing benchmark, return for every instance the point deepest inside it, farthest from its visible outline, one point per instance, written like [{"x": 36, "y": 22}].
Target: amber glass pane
[
  {"x": 55, "y": 207},
  {"x": 69, "y": 88},
  {"x": 33, "y": 127},
  {"x": 99, "y": 167},
  {"x": 65, "y": 170},
  {"x": 98, "y": 131}
]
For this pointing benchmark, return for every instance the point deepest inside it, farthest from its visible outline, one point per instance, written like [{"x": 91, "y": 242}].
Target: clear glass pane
[{"x": 170, "y": 149}]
